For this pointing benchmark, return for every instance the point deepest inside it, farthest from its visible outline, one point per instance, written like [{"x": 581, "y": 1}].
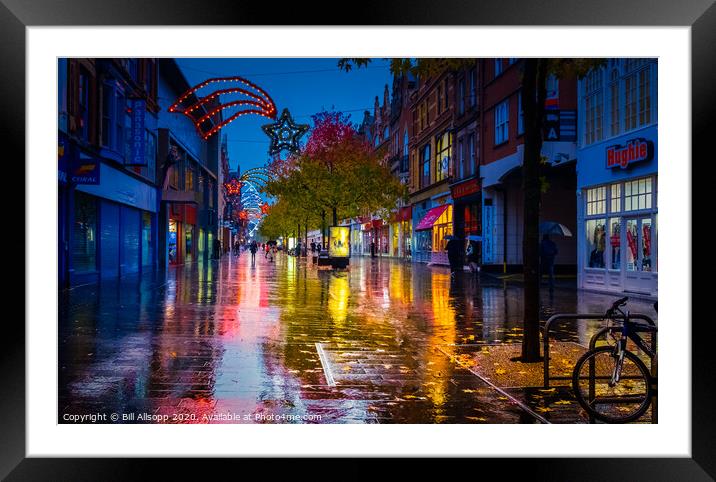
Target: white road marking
[{"x": 325, "y": 365}]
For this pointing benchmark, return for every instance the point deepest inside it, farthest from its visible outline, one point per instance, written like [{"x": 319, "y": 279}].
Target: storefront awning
[{"x": 430, "y": 217}]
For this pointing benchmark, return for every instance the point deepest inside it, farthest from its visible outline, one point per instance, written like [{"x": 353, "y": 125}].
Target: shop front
[
  {"x": 618, "y": 215},
  {"x": 112, "y": 224},
  {"x": 430, "y": 233},
  {"x": 467, "y": 216}
]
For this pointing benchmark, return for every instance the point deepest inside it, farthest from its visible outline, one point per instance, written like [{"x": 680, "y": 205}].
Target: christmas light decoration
[
  {"x": 233, "y": 187},
  {"x": 285, "y": 134},
  {"x": 202, "y": 110},
  {"x": 265, "y": 208}
]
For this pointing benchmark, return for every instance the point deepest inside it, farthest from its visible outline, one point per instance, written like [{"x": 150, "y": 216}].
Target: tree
[
  {"x": 337, "y": 172},
  {"x": 534, "y": 89}
]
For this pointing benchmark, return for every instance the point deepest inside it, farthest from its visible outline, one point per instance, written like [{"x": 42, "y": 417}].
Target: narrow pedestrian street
[{"x": 284, "y": 341}]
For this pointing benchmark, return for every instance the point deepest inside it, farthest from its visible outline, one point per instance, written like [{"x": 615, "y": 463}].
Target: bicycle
[{"x": 610, "y": 382}]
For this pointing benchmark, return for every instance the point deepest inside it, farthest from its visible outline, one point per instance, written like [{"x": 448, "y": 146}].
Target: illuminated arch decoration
[
  {"x": 285, "y": 134},
  {"x": 203, "y": 110}
]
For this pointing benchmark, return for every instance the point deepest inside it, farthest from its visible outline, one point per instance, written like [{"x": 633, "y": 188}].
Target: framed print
[{"x": 318, "y": 240}]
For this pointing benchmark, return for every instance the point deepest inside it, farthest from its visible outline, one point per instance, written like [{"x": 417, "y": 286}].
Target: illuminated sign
[
  {"x": 137, "y": 134},
  {"x": 635, "y": 150},
  {"x": 338, "y": 247}
]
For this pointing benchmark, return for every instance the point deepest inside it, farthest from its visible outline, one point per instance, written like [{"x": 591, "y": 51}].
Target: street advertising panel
[{"x": 339, "y": 242}]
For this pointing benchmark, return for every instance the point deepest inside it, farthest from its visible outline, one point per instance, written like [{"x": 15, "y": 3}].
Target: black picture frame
[{"x": 700, "y": 15}]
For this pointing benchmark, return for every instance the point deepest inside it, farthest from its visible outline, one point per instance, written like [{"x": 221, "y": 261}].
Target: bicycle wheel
[{"x": 624, "y": 402}]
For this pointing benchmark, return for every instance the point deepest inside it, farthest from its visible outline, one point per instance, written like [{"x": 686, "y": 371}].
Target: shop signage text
[
  {"x": 465, "y": 189},
  {"x": 137, "y": 157},
  {"x": 635, "y": 150}
]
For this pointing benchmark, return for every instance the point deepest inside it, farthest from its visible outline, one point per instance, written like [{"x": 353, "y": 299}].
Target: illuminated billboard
[{"x": 339, "y": 242}]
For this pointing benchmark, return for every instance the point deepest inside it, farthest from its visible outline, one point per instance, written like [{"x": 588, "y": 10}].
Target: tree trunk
[
  {"x": 305, "y": 239},
  {"x": 335, "y": 216},
  {"x": 533, "y": 96},
  {"x": 323, "y": 228}
]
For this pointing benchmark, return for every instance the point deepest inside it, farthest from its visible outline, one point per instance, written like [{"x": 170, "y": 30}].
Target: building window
[
  {"x": 441, "y": 229},
  {"x": 593, "y": 101},
  {"x": 425, "y": 171},
  {"x": 501, "y": 122},
  {"x": 472, "y": 164},
  {"x": 637, "y": 93},
  {"x": 596, "y": 200},
  {"x": 473, "y": 88},
  {"x": 461, "y": 96},
  {"x": 596, "y": 242},
  {"x": 442, "y": 156},
  {"x": 638, "y": 194},
  {"x": 521, "y": 115},
  {"x": 84, "y": 100},
  {"x": 615, "y": 196},
  {"x": 445, "y": 98},
  {"x": 461, "y": 161},
  {"x": 644, "y": 97},
  {"x": 614, "y": 102},
  {"x": 415, "y": 121},
  {"x": 498, "y": 67},
  {"x": 440, "y": 98}
]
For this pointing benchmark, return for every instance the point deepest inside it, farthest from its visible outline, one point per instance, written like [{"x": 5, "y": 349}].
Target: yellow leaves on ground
[{"x": 500, "y": 371}]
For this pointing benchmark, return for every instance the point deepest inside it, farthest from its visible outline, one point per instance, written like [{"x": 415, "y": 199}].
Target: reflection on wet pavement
[{"x": 285, "y": 342}]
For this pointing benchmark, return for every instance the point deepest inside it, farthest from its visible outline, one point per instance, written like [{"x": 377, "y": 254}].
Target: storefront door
[{"x": 640, "y": 254}]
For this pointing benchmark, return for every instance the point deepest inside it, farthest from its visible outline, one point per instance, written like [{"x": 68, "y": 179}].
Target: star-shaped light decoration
[
  {"x": 284, "y": 134},
  {"x": 233, "y": 187},
  {"x": 265, "y": 208}
]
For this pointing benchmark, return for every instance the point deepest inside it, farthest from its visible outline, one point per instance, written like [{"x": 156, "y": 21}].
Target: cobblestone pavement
[{"x": 286, "y": 342}]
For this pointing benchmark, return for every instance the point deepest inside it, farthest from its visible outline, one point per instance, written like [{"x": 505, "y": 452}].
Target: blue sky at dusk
[{"x": 304, "y": 86}]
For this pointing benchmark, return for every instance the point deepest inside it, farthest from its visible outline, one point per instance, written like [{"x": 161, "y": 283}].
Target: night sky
[{"x": 303, "y": 85}]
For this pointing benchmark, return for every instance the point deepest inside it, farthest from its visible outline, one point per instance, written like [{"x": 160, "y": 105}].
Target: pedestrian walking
[
  {"x": 372, "y": 249},
  {"x": 217, "y": 248},
  {"x": 548, "y": 251},
  {"x": 455, "y": 254},
  {"x": 473, "y": 256},
  {"x": 253, "y": 248}
]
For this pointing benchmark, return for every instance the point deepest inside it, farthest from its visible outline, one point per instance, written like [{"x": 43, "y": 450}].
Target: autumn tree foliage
[{"x": 337, "y": 173}]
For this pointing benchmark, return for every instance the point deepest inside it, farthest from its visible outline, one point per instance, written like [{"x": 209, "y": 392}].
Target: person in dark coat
[
  {"x": 473, "y": 256},
  {"x": 548, "y": 251},
  {"x": 455, "y": 255}
]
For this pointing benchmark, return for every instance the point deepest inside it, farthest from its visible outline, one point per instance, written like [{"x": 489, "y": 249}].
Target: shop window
[
  {"x": 615, "y": 247},
  {"x": 596, "y": 242},
  {"x": 501, "y": 122},
  {"x": 615, "y": 198},
  {"x": 638, "y": 194},
  {"x": 442, "y": 228},
  {"x": 646, "y": 245},
  {"x": 632, "y": 252},
  {"x": 146, "y": 239},
  {"x": 84, "y": 234},
  {"x": 596, "y": 200}
]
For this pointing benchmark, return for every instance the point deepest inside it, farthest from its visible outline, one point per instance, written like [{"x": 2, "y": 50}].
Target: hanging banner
[{"x": 137, "y": 151}]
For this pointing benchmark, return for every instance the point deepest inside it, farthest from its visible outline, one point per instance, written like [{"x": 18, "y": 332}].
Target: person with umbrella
[
  {"x": 473, "y": 253},
  {"x": 454, "y": 252},
  {"x": 548, "y": 249}
]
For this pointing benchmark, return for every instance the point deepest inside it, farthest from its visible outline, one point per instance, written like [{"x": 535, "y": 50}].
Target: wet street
[{"x": 285, "y": 342}]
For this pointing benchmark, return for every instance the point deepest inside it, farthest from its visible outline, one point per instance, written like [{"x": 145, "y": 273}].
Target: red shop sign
[
  {"x": 635, "y": 150},
  {"x": 465, "y": 189}
]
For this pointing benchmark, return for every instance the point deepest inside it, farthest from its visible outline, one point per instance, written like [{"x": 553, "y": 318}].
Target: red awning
[
  {"x": 405, "y": 213},
  {"x": 430, "y": 217}
]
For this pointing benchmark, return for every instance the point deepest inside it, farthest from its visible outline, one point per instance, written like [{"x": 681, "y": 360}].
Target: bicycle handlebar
[{"x": 616, "y": 305}]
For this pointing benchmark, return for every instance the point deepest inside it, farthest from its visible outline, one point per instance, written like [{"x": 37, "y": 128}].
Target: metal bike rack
[{"x": 592, "y": 343}]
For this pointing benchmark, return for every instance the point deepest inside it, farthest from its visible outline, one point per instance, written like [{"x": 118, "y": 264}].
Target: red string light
[{"x": 261, "y": 102}]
